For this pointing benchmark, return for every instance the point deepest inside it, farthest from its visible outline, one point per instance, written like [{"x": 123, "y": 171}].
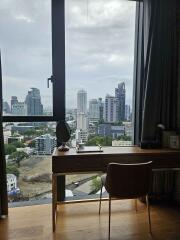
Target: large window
[
  {"x": 99, "y": 70},
  {"x": 99, "y": 78},
  {"x": 26, "y": 49},
  {"x": 97, "y": 38}
]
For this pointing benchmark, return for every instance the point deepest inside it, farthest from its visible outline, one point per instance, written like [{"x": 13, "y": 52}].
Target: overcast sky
[{"x": 99, "y": 47}]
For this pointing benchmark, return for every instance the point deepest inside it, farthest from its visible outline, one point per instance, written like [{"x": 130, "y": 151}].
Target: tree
[
  {"x": 30, "y": 132},
  {"x": 50, "y": 131},
  {"x": 124, "y": 138},
  {"x": 12, "y": 169},
  {"x": 96, "y": 184},
  {"x": 18, "y": 156},
  {"x": 18, "y": 144},
  {"x": 9, "y": 149},
  {"x": 97, "y": 140}
]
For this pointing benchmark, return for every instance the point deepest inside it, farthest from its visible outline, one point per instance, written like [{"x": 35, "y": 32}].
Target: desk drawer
[{"x": 78, "y": 164}]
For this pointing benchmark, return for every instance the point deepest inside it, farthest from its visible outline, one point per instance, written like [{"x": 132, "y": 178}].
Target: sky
[{"x": 99, "y": 47}]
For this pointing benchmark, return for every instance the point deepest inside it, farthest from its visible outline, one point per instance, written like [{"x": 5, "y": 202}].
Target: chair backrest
[{"x": 128, "y": 180}]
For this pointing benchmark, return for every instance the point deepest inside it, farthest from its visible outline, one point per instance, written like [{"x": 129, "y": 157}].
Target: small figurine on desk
[
  {"x": 63, "y": 148},
  {"x": 63, "y": 133}
]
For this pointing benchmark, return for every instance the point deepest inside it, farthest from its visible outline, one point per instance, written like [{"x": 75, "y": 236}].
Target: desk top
[
  {"x": 71, "y": 161},
  {"x": 115, "y": 151}
]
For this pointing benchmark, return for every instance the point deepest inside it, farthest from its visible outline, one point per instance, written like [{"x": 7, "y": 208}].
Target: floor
[{"x": 80, "y": 221}]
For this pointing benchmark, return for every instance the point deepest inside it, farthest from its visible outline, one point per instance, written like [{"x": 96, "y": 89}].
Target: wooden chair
[{"x": 127, "y": 181}]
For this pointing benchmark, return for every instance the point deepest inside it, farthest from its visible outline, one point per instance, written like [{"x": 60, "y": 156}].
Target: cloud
[
  {"x": 99, "y": 46},
  {"x": 21, "y": 17},
  {"x": 99, "y": 43},
  {"x": 25, "y": 44}
]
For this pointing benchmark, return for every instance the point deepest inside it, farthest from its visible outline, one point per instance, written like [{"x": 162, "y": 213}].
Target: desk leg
[{"x": 54, "y": 201}]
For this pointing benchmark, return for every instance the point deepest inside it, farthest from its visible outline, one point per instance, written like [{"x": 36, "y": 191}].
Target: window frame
[{"x": 57, "y": 79}]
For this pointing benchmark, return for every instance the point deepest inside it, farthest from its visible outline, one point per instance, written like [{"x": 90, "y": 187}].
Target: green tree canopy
[
  {"x": 18, "y": 144},
  {"x": 9, "y": 149},
  {"x": 124, "y": 138},
  {"x": 12, "y": 169},
  {"x": 30, "y": 132},
  {"x": 18, "y": 156},
  {"x": 97, "y": 140},
  {"x": 96, "y": 184}
]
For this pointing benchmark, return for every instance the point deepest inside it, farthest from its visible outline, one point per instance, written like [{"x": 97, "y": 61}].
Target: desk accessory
[
  {"x": 166, "y": 138},
  {"x": 88, "y": 149},
  {"x": 174, "y": 142},
  {"x": 63, "y": 133}
]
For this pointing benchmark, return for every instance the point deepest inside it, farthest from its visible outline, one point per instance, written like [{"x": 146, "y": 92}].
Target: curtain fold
[
  {"x": 155, "y": 73},
  {"x": 155, "y": 77}
]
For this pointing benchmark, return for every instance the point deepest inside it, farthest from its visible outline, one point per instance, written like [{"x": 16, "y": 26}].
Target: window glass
[
  {"x": 99, "y": 77},
  {"x": 28, "y": 149},
  {"x": 25, "y": 42}
]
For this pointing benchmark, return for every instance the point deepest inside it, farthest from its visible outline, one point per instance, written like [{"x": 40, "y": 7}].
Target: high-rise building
[
  {"x": 93, "y": 110},
  {"x": 81, "y": 136},
  {"x": 14, "y": 100},
  {"x": 82, "y": 120},
  {"x": 19, "y": 109},
  {"x": 111, "y": 109},
  {"x": 107, "y": 129},
  {"x": 6, "y": 108},
  {"x": 45, "y": 144},
  {"x": 82, "y": 101},
  {"x": 33, "y": 101},
  {"x": 101, "y": 109},
  {"x": 127, "y": 112},
  {"x": 120, "y": 94}
]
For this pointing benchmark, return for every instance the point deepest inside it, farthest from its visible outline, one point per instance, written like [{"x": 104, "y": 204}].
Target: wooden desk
[{"x": 72, "y": 162}]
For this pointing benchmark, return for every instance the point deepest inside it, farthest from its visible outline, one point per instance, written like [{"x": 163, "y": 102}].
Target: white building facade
[
  {"x": 111, "y": 109},
  {"x": 82, "y": 101},
  {"x": 82, "y": 119},
  {"x": 45, "y": 144},
  {"x": 94, "y": 110},
  {"x": 127, "y": 112},
  {"x": 81, "y": 136},
  {"x": 19, "y": 109},
  {"x": 11, "y": 182}
]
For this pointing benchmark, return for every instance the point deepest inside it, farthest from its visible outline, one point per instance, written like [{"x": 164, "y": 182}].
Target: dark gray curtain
[
  {"x": 3, "y": 186},
  {"x": 155, "y": 72},
  {"x": 155, "y": 77}
]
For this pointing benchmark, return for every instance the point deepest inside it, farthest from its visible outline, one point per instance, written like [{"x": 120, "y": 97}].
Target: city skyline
[
  {"x": 102, "y": 56},
  {"x": 31, "y": 106},
  {"x": 15, "y": 100}
]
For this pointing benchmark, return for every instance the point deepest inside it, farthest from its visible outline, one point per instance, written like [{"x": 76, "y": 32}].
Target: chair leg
[
  {"x": 54, "y": 202},
  {"x": 100, "y": 200},
  {"x": 109, "y": 217},
  {"x": 149, "y": 217}
]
